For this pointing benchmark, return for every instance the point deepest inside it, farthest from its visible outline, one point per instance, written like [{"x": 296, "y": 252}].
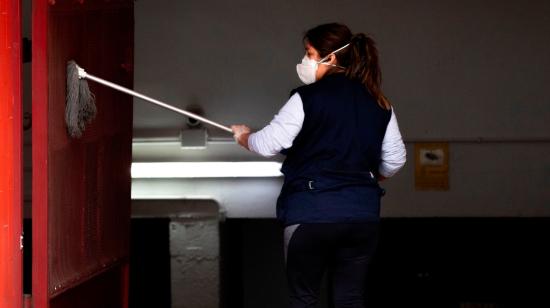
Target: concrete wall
[
  {"x": 194, "y": 249},
  {"x": 467, "y": 69},
  {"x": 486, "y": 180},
  {"x": 455, "y": 71}
]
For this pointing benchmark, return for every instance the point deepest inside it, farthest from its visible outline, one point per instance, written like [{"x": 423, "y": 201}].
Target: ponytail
[
  {"x": 360, "y": 58},
  {"x": 363, "y": 66}
]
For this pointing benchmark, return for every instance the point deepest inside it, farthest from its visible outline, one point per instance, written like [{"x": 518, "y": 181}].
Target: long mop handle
[{"x": 83, "y": 74}]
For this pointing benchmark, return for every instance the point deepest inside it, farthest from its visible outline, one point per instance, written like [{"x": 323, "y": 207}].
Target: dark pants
[{"x": 342, "y": 250}]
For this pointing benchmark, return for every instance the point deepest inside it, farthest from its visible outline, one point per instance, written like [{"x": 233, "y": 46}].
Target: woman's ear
[{"x": 332, "y": 59}]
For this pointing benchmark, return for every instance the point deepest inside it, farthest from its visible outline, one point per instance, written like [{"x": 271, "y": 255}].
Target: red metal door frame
[
  {"x": 39, "y": 153},
  {"x": 11, "y": 190},
  {"x": 81, "y": 187}
]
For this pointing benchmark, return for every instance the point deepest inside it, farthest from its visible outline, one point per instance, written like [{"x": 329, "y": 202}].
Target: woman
[{"x": 340, "y": 137}]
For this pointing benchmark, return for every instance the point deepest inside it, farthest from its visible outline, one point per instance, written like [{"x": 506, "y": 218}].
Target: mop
[{"x": 80, "y": 106}]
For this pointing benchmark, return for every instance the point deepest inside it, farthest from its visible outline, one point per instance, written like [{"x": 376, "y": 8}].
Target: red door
[
  {"x": 81, "y": 187},
  {"x": 11, "y": 129}
]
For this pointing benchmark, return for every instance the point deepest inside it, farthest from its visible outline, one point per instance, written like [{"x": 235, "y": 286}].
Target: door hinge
[{"x": 21, "y": 241}]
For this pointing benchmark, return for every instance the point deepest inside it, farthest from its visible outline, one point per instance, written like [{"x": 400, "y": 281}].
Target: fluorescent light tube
[{"x": 206, "y": 169}]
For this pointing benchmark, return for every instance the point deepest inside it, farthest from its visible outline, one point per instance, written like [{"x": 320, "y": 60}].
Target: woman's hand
[{"x": 240, "y": 134}]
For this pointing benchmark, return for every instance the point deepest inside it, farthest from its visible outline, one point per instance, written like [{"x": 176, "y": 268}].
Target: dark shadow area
[
  {"x": 449, "y": 262},
  {"x": 150, "y": 263},
  {"x": 420, "y": 262},
  {"x": 27, "y": 256},
  {"x": 231, "y": 253}
]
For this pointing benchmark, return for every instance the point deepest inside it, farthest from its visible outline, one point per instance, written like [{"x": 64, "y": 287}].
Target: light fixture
[
  {"x": 193, "y": 139},
  {"x": 206, "y": 169}
]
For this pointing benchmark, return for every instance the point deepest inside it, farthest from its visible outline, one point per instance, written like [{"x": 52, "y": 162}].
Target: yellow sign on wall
[{"x": 431, "y": 166}]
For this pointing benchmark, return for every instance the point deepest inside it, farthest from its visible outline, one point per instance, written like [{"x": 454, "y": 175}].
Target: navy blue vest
[{"x": 331, "y": 169}]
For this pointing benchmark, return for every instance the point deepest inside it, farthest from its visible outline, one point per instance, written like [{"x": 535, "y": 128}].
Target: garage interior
[{"x": 469, "y": 77}]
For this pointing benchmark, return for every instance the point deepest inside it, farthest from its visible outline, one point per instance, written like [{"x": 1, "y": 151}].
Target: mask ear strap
[
  {"x": 333, "y": 65},
  {"x": 334, "y": 52},
  {"x": 337, "y": 50},
  {"x": 322, "y": 61}
]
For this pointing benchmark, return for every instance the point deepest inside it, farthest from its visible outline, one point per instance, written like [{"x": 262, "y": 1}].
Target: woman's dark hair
[{"x": 360, "y": 58}]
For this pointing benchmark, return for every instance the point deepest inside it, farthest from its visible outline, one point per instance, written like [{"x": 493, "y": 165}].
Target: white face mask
[{"x": 307, "y": 70}]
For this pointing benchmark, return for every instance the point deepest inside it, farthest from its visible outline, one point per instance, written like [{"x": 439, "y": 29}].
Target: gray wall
[{"x": 455, "y": 71}]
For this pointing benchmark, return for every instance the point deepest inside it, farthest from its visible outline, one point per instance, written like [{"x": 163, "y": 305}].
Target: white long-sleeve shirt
[{"x": 285, "y": 126}]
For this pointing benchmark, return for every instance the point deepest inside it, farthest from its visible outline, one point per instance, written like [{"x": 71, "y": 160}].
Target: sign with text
[{"x": 431, "y": 166}]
